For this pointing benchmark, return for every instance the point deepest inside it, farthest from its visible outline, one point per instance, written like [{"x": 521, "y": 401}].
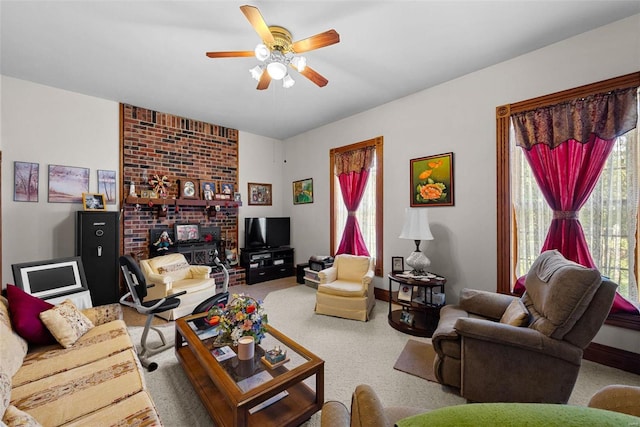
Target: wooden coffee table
[{"x": 219, "y": 383}]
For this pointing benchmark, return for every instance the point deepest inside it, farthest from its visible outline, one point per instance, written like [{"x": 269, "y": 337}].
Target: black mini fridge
[{"x": 98, "y": 244}]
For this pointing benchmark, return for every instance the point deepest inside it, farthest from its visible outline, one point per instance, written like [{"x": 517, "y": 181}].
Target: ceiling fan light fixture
[
  {"x": 287, "y": 82},
  {"x": 300, "y": 62},
  {"x": 277, "y": 70},
  {"x": 262, "y": 52},
  {"x": 256, "y": 72}
]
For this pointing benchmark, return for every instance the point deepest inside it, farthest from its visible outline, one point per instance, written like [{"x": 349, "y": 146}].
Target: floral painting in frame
[
  {"x": 67, "y": 183},
  {"x": 432, "y": 181},
  {"x": 25, "y": 181},
  {"x": 107, "y": 185}
]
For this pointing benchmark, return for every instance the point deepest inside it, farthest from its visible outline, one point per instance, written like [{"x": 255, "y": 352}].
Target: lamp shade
[{"x": 416, "y": 225}]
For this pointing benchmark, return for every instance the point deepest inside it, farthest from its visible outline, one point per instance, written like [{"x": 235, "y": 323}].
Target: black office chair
[{"x": 137, "y": 286}]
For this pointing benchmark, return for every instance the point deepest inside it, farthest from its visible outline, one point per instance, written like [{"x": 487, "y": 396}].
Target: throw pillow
[
  {"x": 66, "y": 323},
  {"x": 25, "y": 310},
  {"x": 173, "y": 267},
  {"x": 516, "y": 314}
]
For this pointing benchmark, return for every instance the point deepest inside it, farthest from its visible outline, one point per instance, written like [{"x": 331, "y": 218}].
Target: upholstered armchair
[
  {"x": 170, "y": 274},
  {"x": 345, "y": 289},
  {"x": 500, "y": 348}
]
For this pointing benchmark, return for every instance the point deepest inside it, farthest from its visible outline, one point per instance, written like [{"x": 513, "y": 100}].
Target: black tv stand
[{"x": 266, "y": 263}]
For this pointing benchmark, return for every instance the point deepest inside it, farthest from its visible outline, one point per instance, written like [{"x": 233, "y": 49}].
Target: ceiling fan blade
[
  {"x": 265, "y": 79},
  {"x": 257, "y": 21},
  {"x": 313, "y": 75},
  {"x": 316, "y": 42},
  {"x": 232, "y": 54}
]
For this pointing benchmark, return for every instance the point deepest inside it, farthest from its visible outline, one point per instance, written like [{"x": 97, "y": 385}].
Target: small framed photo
[
  {"x": 237, "y": 197},
  {"x": 145, "y": 194},
  {"x": 208, "y": 189},
  {"x": 407, "y": 318},
  {"x": 226, "y": 188},
  {"x": 259, "y": 194},
  {"x": 94, "y": 201},
  {"x": 397, "y": 264},
  {"x": 189, "y": 188},
  {"x": 404, "y": 292}
]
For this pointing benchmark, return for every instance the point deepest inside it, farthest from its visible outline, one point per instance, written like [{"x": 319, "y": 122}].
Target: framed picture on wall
[
  {"x": 432, "y": 181},
  {"x": 67, "y": 183},
  {"x": 303, "y": 191},
  {"x": 107, "y": 185},
  {"x": 208, "y": 189},
  {"x": 259, "y": 194},
  {"x": 26, "y": 177}
]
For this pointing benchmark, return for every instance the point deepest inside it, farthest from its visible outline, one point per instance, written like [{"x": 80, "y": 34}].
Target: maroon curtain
[
  {"x": 352, "y": 170},
  {"x": 352, "y": 186},
  {"x": 567, "y": 168},
  {"x": 567, "y": 175}
]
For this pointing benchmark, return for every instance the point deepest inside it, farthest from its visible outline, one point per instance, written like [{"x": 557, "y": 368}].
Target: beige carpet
[
  {"x": 417, "y": 359},
  {"x": 354, "y": 353}
]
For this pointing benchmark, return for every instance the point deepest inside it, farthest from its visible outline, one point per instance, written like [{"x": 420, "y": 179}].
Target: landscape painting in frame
[
  {"x": 67, "y": 183},
  {"x": 25, "y": 181},
  {"x": 107, "y": 185},
  {"x": 303, "y": 191},
  {"x": 432, "y": 181}
]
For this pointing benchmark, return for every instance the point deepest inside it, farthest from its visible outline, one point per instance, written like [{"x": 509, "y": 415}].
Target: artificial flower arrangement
[{"x": 242, "y": 316}]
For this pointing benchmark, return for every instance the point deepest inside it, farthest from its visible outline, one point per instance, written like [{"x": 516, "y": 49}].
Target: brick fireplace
[{"x": 155, "y": 143}]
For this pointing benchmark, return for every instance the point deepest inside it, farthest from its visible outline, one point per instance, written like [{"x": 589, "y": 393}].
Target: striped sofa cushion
[
  {"x": 75, "y": 393},
  {"x": 100, "y": 342},
  {"x": 137, "y": 410}
]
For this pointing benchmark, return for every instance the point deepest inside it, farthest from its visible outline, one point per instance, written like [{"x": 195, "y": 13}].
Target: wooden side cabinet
[{"x": 267, "y": 264}]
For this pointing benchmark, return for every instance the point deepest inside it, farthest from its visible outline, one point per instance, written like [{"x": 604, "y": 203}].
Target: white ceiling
[{"x": 152, "y": 53}]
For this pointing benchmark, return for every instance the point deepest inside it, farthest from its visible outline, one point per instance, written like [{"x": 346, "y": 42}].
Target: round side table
[{"x": 418, "y": 301}]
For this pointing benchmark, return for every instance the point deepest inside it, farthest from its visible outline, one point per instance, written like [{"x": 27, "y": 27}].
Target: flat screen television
[{"x": 267, "y": 232}]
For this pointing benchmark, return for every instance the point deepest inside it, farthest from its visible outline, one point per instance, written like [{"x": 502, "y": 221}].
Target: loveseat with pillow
[
  {"x": 75, "y": 368},
  {"x": 171, "y": 274}
]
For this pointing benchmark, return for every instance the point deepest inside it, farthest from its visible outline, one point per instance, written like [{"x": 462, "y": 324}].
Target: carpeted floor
[{"x": 354, "y": 353}]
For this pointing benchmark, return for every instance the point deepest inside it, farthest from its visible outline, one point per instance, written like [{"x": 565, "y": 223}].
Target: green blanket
[{"x": 519, "y": 415}]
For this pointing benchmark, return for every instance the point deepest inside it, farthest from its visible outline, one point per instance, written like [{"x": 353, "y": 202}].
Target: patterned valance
[
  {"x": 607, "y": 115},
  {"x": 354, "y": 160}
]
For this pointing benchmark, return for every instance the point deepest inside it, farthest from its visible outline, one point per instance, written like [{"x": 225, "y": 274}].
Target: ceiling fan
[{"x": 277, "y": 52}]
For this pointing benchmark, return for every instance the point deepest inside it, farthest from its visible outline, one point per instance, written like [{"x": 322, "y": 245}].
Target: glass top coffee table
[{"x": 251, "y": 393}]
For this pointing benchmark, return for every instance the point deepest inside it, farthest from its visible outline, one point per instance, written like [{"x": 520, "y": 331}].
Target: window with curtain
[
  {"x": 608, "y": 217},
  {"x": 368, "y": 214}
]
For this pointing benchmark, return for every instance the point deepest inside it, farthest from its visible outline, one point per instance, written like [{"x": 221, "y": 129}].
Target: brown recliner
[{"x": 490, "y": 360}]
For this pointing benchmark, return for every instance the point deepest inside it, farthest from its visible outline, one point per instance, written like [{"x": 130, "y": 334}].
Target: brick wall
[{"x": 164, "y": 144}]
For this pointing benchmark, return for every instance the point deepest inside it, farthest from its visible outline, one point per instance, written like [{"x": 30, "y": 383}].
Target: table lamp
[{"x": 416, "y": 228}]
